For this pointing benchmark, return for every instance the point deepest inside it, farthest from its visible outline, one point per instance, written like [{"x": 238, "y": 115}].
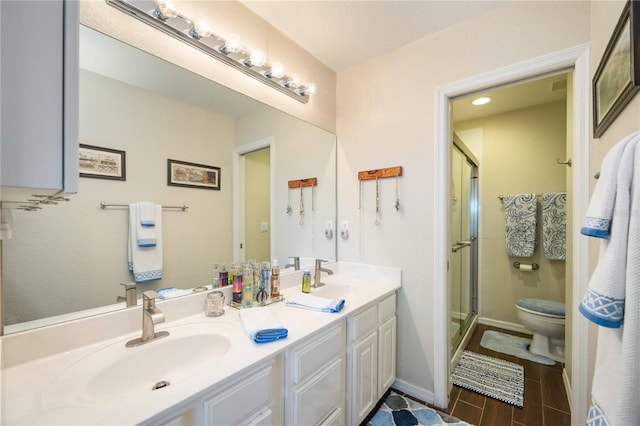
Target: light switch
[{"x": 264, "y": 227}]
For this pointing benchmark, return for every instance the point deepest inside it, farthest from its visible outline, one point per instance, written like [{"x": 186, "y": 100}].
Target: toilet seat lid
[{"x": 549, "y": 307}]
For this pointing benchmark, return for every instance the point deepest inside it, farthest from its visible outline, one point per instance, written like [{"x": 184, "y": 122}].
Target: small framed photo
[
  {"x": 617, "y": 78},
  {"x": 102, "y": 163},
  {"x": 192, "y": 175}
]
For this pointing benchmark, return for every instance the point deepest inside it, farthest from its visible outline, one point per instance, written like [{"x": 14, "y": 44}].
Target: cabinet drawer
[
  {"x": 364, "y": 323},
  {"x": 387, "y": 308},
  {"x": 317, "y": 399},
  {"x": 234, "y": 404},
  {"x": 312, "y": 357}
]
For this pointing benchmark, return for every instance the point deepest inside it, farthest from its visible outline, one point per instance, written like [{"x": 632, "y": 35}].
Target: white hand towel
[
  {"x": 613, "y": 297},
  {"x": 315, "y": 303},
  {"x": 261, "y": 326},
  {"x": 147, "y": 212},
  {"x": 146, "y": 236},
  {"x": 144, "y": 262}
]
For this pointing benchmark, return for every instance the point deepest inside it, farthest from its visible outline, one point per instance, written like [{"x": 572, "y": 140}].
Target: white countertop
[{"x": 37, "y": 391}]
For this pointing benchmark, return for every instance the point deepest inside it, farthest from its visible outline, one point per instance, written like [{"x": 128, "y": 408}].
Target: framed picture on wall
[
  {"x": 617, "y": 78},
  {"x": 192, "y": 175},
  {"x": 102, "y": 163}
]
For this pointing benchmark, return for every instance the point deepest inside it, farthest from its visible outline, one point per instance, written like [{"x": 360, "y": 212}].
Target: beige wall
[
  {"x": 150, "y": 128},
  {"x": 227, "y": 17},
  {"x": 385, "y": 117},
  {"x": 519, "y": 154}
]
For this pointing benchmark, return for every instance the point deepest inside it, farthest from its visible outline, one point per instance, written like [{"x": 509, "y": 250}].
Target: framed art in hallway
[
  {"x": 101, "y": 163},
  {"x": 617, "y": 78},
  {"x": 192, "y": 175}
]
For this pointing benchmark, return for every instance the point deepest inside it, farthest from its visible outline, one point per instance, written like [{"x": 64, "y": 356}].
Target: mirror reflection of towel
[{"x": 144, "y": 261}]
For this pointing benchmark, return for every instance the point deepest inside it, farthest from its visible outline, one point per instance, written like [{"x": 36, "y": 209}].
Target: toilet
[{"x": 545, "y": 319}]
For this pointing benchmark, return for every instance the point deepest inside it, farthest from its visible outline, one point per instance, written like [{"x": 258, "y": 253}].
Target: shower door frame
[{"x": 473, "y": 237}]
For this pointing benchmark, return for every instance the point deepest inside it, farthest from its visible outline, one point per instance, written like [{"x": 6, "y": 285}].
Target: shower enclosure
[{"x": 464, "y": 238}]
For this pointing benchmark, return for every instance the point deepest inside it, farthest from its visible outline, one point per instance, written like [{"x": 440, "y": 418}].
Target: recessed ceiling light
[{"x": 481, "y": 101}]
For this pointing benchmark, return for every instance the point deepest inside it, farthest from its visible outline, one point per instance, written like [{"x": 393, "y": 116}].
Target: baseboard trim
[
  {"x": 519, "y": 328},
  {"x": 567, "y": 386},
  {"x": 414, "y": 391}
]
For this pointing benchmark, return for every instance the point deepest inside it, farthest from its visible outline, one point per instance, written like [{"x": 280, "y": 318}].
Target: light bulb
[
  {"x": 276, "y": 71},
  {"x": 232, "y": 44},
  {"x": 312, "y": 88},
  {"x": 481, "y": 101},
  {"x": 165, "y": 10},
  {"x": 293, "y": 82},
  {"x": 200, "y": 30},
  {"x": 257, "y": 58}
]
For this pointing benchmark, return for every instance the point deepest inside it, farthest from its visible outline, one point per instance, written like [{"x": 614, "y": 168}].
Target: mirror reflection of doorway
[{"x": 257, "y": 221}]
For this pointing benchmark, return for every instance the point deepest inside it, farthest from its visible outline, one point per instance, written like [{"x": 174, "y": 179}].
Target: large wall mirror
[{"x": 73, "y": 256}]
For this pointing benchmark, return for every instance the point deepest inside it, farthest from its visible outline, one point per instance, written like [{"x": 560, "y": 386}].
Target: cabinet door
[
  {"x": 386, "y": 356},
  {"x": 233, "y": 405},
  {"x": 39, "y": 103},
  {"x": 320, "y": 396},
  {"x": 365, "y": 371}
]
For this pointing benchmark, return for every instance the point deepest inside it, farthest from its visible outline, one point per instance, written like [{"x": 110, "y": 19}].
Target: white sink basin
[
  {"x": 118, "y": 372},
  {"x": 338, "y": 288}
]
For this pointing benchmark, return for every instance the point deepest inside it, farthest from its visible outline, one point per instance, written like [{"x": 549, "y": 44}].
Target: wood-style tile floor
[{"x": 545, "y": 399}]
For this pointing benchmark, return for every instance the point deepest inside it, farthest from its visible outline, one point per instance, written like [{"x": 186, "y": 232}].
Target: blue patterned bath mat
[
  {"x": 396, "y": 410},
  {"x": 492, "y": 377}
]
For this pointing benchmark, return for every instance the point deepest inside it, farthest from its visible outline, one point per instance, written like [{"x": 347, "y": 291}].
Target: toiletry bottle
[
  {"x": 263, "y": 293},
  {"x": 216, "y": 276},
  {"x": 237, "y": 285},
  {"x": 224, "y": 275},
  {"x": 306, "y": 281},
  {"x": 275, "y": 279},
  {"x": 247, "y": 286}
]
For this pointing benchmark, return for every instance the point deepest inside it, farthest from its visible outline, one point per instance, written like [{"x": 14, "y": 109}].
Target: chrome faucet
[
  {"x": 131, "y": 294},
  {"x": 150, "y": 317},
  {"x": 318, "y": 273},
  {"x": 295, "y": 264}
]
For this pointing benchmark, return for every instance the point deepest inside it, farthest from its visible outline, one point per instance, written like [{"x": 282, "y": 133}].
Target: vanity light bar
[{"x": 161, "y": 15}]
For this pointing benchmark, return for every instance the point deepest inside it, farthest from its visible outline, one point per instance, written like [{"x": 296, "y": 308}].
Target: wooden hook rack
[
  {"x": 301, "y": 183},
  {"x": 380, "y": 173}
]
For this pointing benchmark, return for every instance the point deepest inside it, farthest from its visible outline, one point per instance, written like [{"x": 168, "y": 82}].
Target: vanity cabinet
[
  {"x": 315, "y": 386},
  {"x": 371, "y": 359},
  {"x": 39, "y": 102}
]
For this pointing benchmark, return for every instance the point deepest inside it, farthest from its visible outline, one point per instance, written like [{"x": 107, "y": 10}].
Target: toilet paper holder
[{"x": 534, "y": 266}]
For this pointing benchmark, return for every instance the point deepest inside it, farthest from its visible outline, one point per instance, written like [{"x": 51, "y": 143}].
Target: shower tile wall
[{"x": 519, "y": 151}]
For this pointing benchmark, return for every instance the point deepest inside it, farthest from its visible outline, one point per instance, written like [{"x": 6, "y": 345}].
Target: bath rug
[
  {"x": 512, "y": 345},
  {"x": 492, "y": 377},
  {"x": 397, "y": 410}
]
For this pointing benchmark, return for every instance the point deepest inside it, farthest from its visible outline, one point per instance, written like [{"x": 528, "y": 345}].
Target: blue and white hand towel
[
  {"x": 554, "y": 225},
  {"x": 261, "y": 326},
  {"x": 147, "y": 212},
  {"x": 520, "y": 224},
  {"x": 613, "y": 297},
  {"x": 315, "y": 303},
  {"x": 144, "y": 262},
  {"x": 146, "y": 236}
]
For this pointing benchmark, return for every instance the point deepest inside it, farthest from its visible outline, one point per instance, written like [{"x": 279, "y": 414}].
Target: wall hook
[{"x": 566, "y": 163}]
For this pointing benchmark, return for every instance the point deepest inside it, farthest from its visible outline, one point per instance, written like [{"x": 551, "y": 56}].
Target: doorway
[{"x": 578, "y": 59}]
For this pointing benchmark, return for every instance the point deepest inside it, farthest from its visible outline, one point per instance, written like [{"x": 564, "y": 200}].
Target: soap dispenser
[{"x": 306, "y": 281}]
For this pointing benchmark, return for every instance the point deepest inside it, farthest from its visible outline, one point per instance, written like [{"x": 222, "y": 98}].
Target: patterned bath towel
[
  {"x": 554, "y": 225},
  {"x": 520, "y": 224}
]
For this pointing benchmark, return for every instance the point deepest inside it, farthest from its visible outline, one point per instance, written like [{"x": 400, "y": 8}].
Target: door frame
[
  {"x": 239, "y": 191},
  {"x": 578, "y": 59}
]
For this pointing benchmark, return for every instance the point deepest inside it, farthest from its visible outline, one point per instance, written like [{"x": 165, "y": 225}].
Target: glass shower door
[{"x": 464, "y": 238}]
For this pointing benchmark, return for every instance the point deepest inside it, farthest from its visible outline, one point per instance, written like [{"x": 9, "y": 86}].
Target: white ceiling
[{"x": 344, "y": 33}]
